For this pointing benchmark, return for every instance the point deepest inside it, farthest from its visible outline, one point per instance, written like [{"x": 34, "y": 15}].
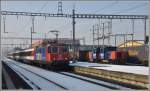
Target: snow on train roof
[
  {"x": 15, "y": 52},
  {"x": 119, "y": 68},
  {"x": 26, "y": 50},
  {"x": 32, "y": 49}
]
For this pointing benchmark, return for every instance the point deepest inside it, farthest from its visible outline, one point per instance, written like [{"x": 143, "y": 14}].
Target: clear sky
[{"x": 21, "y": 27}]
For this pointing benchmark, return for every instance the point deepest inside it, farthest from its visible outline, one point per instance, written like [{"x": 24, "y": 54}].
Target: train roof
[
  {"x": 25, "y": 50},
  {"x": 14, "y": 52},
  {"x": 53, "y": 44},
  {"x": 31, "y": 49}
]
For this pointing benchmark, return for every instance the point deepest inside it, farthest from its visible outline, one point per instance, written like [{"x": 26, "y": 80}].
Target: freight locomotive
[
  {"x": 124, "y": 56},
  {"x": 51, "y": 55}
]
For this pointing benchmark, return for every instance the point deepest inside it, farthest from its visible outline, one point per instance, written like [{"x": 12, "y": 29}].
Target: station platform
[
  {"x": 141, "y": 70},
  {"x": 134, "y": 76}
]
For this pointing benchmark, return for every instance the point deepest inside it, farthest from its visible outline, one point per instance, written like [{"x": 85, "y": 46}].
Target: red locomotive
[{"x": 47, "y": 55}]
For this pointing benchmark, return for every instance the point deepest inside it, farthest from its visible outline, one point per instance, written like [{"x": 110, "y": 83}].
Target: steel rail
[{"x": 42, "y": 77}]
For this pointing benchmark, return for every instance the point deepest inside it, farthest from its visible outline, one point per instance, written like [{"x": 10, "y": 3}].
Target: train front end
[{"x": 59, "y": 55}]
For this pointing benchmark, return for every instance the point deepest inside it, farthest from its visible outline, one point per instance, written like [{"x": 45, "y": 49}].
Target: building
[{"x": 131, "y": 43}]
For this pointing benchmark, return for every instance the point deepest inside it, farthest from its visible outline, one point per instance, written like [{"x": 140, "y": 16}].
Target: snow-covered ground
[
  {"x": 120, "y": 68},
  {"x": 97, "y": 81},
  {"x": 33, "y": 80},
  {"x": 68, "y": 82}
]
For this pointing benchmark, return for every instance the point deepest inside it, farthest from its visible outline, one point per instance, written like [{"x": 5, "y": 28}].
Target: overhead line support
[{"x": 85, "y": 16}]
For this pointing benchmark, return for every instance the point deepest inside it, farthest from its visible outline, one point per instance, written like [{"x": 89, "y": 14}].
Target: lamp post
[
  {"x": 32, "y": 35},
  {"x": 4, "y": 22}
]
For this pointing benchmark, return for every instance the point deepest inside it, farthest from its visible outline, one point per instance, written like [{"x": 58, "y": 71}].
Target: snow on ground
[
  {"x": 120, "y": 68},
  {"x": 42, "y": 83},
  {"x": 98, "y": 81},
  {"x": 66, "y": 81}
]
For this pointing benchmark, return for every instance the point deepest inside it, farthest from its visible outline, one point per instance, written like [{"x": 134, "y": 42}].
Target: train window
[
  {"x": 64, "y": 49},
  {"x": 37, "y": 51},
  {"x": 43, "y": 50},
  {"x": 49, "y": 49},
  {"x": 21, "y": 54},
  {"x": 17, "y": 54},
  {"x": 40, "y": 50},
  {"x": 94, "y": 51},
  {"x": 29, "y": 53},
  {"x": 54, "y": 49}
]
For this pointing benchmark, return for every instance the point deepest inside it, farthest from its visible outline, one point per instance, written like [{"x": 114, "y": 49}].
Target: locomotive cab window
[
  {"x": 54, "y": 49},
  {"x": 64, "y": 49},
  {"x": 49, "y": 49}
]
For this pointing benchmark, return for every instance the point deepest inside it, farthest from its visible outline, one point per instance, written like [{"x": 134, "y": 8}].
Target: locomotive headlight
[{"x": 66, "y": 58}]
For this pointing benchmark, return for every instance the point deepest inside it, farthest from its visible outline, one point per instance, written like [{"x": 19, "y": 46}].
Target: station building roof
[{"x": 131, "y": 43}]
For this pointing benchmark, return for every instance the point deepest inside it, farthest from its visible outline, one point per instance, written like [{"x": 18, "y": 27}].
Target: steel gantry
[
  {"x": 115, "y": 35},
  {"x": 79, "y": 16},
  {"x": 89, "y": 16}
]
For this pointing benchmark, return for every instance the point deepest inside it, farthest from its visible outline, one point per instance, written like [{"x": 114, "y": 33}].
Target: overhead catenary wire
[
  {"x": 108, "y": 6},
  {"x": 129, "y": 9},
  {"x": 105, "y": 7},
  {"x": 43, "y": 6},
  {"x": 59, "y": 12},
  {"x": 41, "y": 9},
  {"x": 112, "y": 4},
  {"x": 33, "y": 18},
  {"x": 4, "y": 22}
]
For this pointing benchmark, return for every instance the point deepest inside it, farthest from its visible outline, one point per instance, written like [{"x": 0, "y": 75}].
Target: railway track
[
  {"x": 11, "y": 80},
  {"x": 32, "y": 83},
  {"x": 94, "y": 81},
  {"x": 63, "y": 80}
]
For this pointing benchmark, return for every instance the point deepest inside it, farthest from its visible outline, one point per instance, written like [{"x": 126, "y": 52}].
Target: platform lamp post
[
  {"x": 4, "y": 22},
  {"x": 4, "y": 27},
  {"x": 0, "y": 56},
  {"x": 32, "y": 35}
]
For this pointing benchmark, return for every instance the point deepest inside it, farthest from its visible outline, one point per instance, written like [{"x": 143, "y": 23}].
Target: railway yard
[{"x": 83, "y": 46}]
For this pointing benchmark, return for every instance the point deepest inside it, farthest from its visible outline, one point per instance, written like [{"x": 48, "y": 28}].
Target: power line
[
  {"x": 60, "y": 11},
  {"x": 129, "y": 9},
  {"x": 93, "y": 12},
  {"x": 108, "y": 6},
  {"x": 44, "y": 5},
  {"x": 63, "y": 25}
]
